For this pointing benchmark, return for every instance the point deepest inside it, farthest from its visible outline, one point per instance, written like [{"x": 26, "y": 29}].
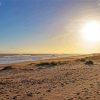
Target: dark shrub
[
  {"x": 89, "y": 62},
  {"x": 47, "y": 64},
  {"x": 7, "y": 68}
]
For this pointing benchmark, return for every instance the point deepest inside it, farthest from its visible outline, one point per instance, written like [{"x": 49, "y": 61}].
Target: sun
[{"x": 91, "y": 31}]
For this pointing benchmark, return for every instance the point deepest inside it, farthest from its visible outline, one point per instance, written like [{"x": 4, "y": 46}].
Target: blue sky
[{"x": 38, "y": 26}]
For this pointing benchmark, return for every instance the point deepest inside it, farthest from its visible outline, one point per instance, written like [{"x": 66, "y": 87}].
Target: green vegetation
[{"x": 49, "y": 64}]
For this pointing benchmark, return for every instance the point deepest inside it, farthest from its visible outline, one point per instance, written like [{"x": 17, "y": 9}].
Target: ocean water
[{"x": 8, "y": 59}]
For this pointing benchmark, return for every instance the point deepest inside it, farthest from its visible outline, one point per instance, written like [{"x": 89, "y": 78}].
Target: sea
[{"x": 17, "y": 58}]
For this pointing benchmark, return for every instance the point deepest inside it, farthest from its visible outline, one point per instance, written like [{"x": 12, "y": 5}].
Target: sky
[{"x": 46, "y": 26}]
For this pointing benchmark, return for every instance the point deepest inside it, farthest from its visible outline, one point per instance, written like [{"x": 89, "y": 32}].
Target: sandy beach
[
  {"x": 49, "y": 49},
  {"x": 68, "y": 78}
]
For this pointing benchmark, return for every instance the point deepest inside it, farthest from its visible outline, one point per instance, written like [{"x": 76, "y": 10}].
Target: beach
[{"x": 63, "y": 78}]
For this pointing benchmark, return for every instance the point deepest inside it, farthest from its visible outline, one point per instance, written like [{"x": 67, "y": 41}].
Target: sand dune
[{"x": 73, "y": 78}]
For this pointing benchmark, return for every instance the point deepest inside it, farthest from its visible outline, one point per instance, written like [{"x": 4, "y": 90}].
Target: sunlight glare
[{"x": 91, "y": 31}]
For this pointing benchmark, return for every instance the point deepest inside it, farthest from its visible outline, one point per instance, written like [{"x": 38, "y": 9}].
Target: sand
[{"x": 54, "y": 79}]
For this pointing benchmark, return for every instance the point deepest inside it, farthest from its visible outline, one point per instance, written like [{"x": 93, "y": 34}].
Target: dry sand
[{"x": 54, "y": 79}]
